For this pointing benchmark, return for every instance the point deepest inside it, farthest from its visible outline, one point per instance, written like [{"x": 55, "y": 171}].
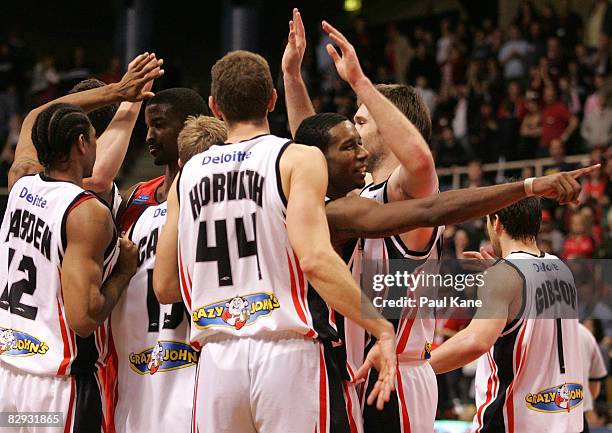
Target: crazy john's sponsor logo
[
  {"x": 426, "y": 354},
  {"x": 236, "y": 312},
  {"x": 560, "y": 398},
  {"x": 17, "y": 343},
  {"x": 164, "y": 356}
]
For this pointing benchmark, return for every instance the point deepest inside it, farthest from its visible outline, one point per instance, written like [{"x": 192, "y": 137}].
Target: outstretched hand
[
  {"x": 296, "y": 46},
  {"x": 479, "y": 261},
  {"x": 348, "y": 66},
  {"x": 135, "y": 85},
  {"x": 563, "y": 187},
  {"x": 382, "y": 357}
]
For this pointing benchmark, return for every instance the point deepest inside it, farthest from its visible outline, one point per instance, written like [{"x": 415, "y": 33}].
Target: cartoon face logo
[
  {"x": 563, "y": 397},
  {"x": 426, "y": 351},
  {"x": 156, "y": 358},
  {"x": 236, "y": 312},
  {"x": 7, "y": 340}
]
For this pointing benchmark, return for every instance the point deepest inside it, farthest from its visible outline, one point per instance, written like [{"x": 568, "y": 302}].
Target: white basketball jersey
[
  {"x": 531, "y": 379},
  {"x": 238, "y": 272},
  {"x": 415, "y": 328},
  {"x": 34, "y": 333},
  {"x": 154, "y": 359}
]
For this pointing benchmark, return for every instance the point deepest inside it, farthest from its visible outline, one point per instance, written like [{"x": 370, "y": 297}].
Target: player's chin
[{"x": 159, "y": 160}]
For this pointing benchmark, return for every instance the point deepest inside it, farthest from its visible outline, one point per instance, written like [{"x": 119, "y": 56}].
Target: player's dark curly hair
[
  {"x": 183, "y": 102},
  {"x": 56, "y": 129},
  {"x": 314, "y": 130},
  {"x": 522, "y": 219},
  {"x": 100, "y": 118}
]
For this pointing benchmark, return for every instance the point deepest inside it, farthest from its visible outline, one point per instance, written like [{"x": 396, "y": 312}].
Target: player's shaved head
[
  {"x": 242, "y": 86},
  {"x": 314, "y": 130}
]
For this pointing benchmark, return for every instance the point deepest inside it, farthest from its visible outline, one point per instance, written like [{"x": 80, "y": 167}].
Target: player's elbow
[
  {"x": 423, "y": 164},
  {"x": 82, "y": 324},
  {"x": 478, "y": 346},
  {"x": 99, "y": 183},
  {"x": 313, "y": 263},
  {"x": 166, "y": 287}
]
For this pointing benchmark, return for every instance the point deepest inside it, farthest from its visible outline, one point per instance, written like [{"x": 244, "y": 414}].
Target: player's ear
[
  {"x": 82, "y": 143},
  {"x": 214, "y": 108},
  {"x": 272, "y": 101}
]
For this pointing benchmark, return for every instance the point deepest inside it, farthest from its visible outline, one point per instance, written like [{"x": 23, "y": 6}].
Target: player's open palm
[
  {"x": 135, "y": 85},
  {"x": 296, "y": 46},
  {"x": 384, "y": 359},
  {"x": 348, "y": 66}
]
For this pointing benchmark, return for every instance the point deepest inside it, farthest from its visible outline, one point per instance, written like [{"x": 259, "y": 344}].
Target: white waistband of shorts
[
  {"x": 403, "y": 358},
  {"x": 262, "y": 335}
]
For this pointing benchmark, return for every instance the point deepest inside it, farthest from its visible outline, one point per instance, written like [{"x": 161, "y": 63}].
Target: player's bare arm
[
  {"x": 88, "y": 302},
  {"x": 416, "y": 176},
  {"x": 299, "y": 106},
  {"x": 501, "y": 296},
  {"x": 353, "y": 217},
  {"x": 166, "y": 272},
  {"x": 304, "y": 178},
  {"x": 131, "y": 88}
]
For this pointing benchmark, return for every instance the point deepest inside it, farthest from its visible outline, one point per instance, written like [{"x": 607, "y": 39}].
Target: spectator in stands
[
  {"x": 548, "y": 20},
  {"x": 578, "y": 244},
  {"x": 531, "y": 126},
  {"x": 474, "y": 175},
  {"x": 596, "y": 128},
  {"x": 398, "y": 53},
  {"x": 568, "y": 94},
  {"x": 557, "y": 153},
  {"x": 554, "y": 57},
  {"x": 45, "y": 80},
  {"x": 484, "y": 133},
  {"x": 537, "y": 47},
  {"x": 480, "y": 49},
  {"x": 601, "y": 61},
  {"x": 548, "y": 230},
  {"x": 510, "y": 114},
  {"x": 445, "y": 42},
  {"x": 448, "y": 150},
  {"x": 569, "y": 24},
  {"x": 77, "y": 70},
  {"x": 594, "y": 23},
  {"x": 513, "y": 54},
  {"x": 526, "y": 14},
  {"x": 428, "y": 95},
  {"x": 361, "y": 40},
  {"x": 423, "y": 64},
  {"x": 557, "y": 121}
]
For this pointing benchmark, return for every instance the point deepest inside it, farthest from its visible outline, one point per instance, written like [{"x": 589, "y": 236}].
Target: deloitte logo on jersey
[
  {"x": 164, "y": 356},
  {"x": 560, "y": 398},
  {"x": 236, "y": 156},
  {"x": 17, "y": 343},
  {"x": 236, "y": 312}
]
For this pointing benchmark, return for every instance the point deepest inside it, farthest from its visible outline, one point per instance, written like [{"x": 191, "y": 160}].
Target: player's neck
[
  {"x": 384, "y": 168},
  {"x": 509, "y": 245},
  {"x": 241, "y": 131},
  {"x": 70, "y": 174},
  {"x": 169, "y": 175}
]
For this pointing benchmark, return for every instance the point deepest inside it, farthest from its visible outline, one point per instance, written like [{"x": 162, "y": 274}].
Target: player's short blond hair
[{"x": 198, "y": 134}]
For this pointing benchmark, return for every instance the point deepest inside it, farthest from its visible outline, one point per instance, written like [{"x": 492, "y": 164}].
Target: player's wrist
[
  {"x": 528, "y": 186},
  {"x": 114, "y": 93},
  {"x": 361, "y": 84}
]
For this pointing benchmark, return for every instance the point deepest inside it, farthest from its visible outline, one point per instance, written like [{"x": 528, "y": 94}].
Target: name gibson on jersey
[{"x": 233, "y": 185}]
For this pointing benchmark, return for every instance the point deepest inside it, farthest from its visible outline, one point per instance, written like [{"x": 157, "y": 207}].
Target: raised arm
[
  {"x": 88, "y": 301},
  {"x": 353, "y": 217},
  {"x": 502, "y": 285},
  {"x": 166, "y": 272},
  {"x": 299, "y": 106},
  {"x": 130, "y": 88},
  {"x": 304, "y": 178},
  {"x": 416, "y": 177}
]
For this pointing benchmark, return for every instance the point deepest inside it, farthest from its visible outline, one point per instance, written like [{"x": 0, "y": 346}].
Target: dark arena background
[{"x": 515, "y": 89}]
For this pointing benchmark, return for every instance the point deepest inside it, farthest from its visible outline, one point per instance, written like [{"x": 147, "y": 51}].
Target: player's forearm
[
  {"x": 398, "y": 133},
  {"x": 110, "y": 292},
  {"x": 456, "y": 352},
  {"x": 299, "y": 106},
  {"x": 333, "y": 282},
  {"x": 112, "y": 147},
  {"x": 166, "y": 283}
]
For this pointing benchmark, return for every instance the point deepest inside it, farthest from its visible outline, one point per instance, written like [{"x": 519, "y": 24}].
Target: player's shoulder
[
  {"x": 303, "y": 155},
  {"x": 503, "y": 274}
]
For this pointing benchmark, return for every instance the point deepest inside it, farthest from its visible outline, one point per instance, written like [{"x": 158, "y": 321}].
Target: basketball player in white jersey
[
  {"x": 154, "y": 358},
  {"x": 65, "y": 274},
  {"x": 113, "y": 140},
  {"x": 351, "y": 217},
  {"x": 252, "y": 230},
  {"x": 529, "y": 376}
]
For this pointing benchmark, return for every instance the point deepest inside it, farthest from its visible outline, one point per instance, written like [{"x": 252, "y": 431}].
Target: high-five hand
[
  {"x": 135, "y": 83},
  {"x": 348, "y": 66},
  {"x": 296, "y": 46}
]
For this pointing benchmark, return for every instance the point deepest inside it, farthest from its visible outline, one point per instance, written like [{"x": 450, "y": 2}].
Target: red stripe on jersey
[
  {"x": 489, "y": 396},
  {"x": 402, "y": 402},
  {"x": 349, "y": 407},
  {"x": 142, "y": 197},
  {"x": 64, "y": 364},
  {"x": 519, "y": 360},
  {"x": 322, "y": 392},
  {"x": 183, "y": 282},
  {"x": 294, "y": 296},
  {"x": 108, "y": 377},
  {"x": 405, "y": 334},
  {"x": 67, "y": 427},
  {"x": 303, "y": 299}
]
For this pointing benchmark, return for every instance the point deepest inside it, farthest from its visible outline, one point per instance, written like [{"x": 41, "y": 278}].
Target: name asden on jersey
[{"x": 32, "y": 229}]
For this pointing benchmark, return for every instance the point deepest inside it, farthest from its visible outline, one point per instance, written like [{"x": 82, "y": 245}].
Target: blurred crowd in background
[{"x": 540, "y": 88}]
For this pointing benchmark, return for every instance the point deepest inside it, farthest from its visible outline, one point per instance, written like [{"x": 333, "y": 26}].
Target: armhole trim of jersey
[
  {"x": 519, "y": 316},
  {"x": 541, "y": 256},
  {"x": 279, "y": 183},
  {"x": 131, "y": 228},
  {"x": 178, "y": 183},
  {"x": 598, "y": 379}
]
